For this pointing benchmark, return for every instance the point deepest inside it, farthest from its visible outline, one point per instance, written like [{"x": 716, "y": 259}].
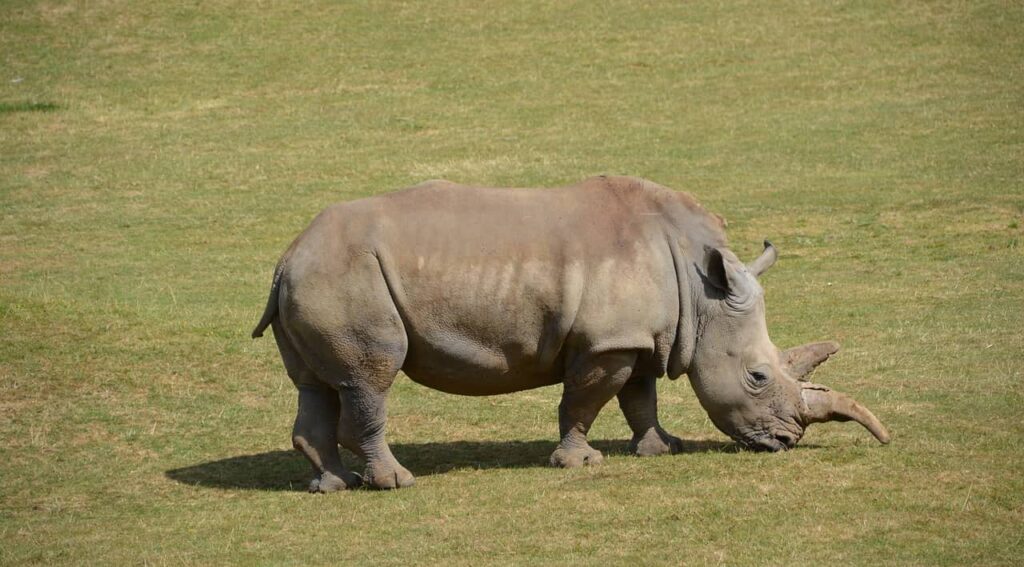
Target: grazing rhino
[{"x": 601, "y": 286}]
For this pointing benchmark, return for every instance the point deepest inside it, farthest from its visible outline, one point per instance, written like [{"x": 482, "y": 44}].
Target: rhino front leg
[
  {"x": 585, "y": 393},
  {"x": 639, "y": 402},
  {"x": 314, "y": 435}
]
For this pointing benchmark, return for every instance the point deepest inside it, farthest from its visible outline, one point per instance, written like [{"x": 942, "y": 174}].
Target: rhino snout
[{"x": 772, "y": 443}]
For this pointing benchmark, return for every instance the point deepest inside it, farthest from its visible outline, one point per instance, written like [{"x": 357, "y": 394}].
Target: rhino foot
[
  {"x": 330, "y": 482},
  {"x": 388, "y": 477},
  {"x": 576, "y": 457},
  {"x": 655, "y": 441}
]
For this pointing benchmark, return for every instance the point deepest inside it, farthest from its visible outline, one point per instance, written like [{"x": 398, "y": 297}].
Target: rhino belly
[{"x": 463, "y": 365}]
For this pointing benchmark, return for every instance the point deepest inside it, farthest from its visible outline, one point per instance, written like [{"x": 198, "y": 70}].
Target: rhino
[{"x": 603, "y": 287}]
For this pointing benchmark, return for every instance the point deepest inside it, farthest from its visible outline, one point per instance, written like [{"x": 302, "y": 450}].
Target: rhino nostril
[{"x": 786, "y": 440}]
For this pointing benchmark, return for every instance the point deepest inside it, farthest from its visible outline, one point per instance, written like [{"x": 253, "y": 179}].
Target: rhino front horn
[{"x": 822, "y": 404}]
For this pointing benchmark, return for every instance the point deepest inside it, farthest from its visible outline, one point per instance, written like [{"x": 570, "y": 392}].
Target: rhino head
[{"x": 754, "y": 392}]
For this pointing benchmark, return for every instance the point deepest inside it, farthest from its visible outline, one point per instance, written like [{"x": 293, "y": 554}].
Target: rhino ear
[
  {"x": 714, "y": 267},
  {"x": 725, "y": 272},
  {"x": 764, "y": 261},
  {"x": 802, "y": 360}
]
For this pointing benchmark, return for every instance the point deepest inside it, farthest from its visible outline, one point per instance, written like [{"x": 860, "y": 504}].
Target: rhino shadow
[{"x": 288, "y": 470}]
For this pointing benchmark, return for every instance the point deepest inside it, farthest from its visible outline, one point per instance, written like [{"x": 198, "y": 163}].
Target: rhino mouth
[{"x": 770, "y": 443}]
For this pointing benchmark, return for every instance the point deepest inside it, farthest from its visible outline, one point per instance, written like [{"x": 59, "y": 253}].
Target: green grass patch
[
  {"x": 155, "y": 159},
  {"x": 7, "y": 107}
]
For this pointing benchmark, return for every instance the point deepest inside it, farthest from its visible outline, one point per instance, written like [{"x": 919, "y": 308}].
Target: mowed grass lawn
[{"x": 157, "y": 157}]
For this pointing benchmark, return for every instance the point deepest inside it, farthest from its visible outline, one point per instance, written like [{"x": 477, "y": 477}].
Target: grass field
[{"x": 156, "y": 158}]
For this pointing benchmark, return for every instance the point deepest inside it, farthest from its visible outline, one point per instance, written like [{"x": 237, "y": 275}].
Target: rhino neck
[{"x": 685, "y": 343}]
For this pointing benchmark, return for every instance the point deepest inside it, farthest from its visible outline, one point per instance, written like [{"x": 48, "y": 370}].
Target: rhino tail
[{"x": 271, "y": 310}]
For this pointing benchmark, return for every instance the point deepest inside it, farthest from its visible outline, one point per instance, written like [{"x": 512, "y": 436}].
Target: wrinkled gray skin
[{"x": 601, "y": 286}]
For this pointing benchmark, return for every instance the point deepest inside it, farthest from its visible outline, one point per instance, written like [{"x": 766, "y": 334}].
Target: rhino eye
[{"x": 758, "y": 377}]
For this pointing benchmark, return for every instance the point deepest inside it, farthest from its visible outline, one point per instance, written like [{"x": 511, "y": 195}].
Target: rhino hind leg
[
  {"x": 354, "y": 339},
  {"x": 638, "y": 400},
  {"x": 315, "y": 437},
  {"x": 586, "y": 391},
  {"x": 315, "y": 434},
  {"x": 361, "y": 373},
  {"x": 361, "y": 430}
]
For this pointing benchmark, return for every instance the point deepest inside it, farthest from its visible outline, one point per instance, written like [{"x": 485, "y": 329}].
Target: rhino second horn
[
  {"x": 802, "y": 360},
  {"x": 764, "y": 261},
  {"x": 822, "y": 404}
]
